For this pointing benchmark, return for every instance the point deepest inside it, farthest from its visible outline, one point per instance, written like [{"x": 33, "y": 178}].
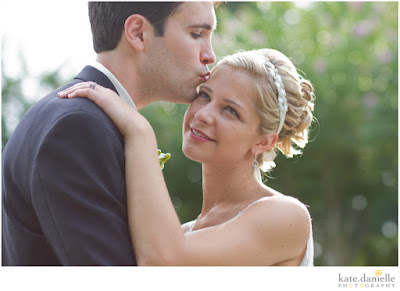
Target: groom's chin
[{"x": 184, "y": 98}]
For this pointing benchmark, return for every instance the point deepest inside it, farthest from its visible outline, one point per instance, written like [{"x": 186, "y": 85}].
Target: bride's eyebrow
[
  {"x": 207, "y": 88},
  {"x": 233, "y": 102},
  {"x": 225, "y": 99}
]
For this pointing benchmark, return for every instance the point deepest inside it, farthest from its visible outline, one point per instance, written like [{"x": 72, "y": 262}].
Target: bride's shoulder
[
  {"x": 285, "y": 201},
  {"x": 281, "y": 214},
  {"x": 283, "y": 205}
]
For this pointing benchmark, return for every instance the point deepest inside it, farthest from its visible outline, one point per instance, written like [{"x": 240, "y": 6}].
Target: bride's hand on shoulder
[{"x": 128, "y": 120}]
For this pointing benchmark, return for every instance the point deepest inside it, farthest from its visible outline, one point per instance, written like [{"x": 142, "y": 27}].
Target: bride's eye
[
  {"x": 232, "y": 111},
  {"x": 203, "y": 95}
]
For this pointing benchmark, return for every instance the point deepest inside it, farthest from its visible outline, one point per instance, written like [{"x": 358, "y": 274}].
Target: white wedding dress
[{"x": 308, "y": 259}]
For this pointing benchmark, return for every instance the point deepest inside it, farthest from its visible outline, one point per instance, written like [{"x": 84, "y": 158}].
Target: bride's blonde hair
[{"x": 299, "y": 94}]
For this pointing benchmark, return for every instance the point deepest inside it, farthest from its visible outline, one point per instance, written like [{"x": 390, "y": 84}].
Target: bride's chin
[{"x": 191, "y": 155}]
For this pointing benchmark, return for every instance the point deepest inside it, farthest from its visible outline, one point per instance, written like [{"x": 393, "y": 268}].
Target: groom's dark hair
[{"x": 107, "y": 20}]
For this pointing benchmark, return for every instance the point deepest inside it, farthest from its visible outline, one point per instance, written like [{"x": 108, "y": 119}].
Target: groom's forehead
[{"x": 196, "y": 14}]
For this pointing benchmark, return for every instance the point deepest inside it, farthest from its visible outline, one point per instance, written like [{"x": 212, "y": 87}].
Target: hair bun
[{"x": 307, "y": 90}]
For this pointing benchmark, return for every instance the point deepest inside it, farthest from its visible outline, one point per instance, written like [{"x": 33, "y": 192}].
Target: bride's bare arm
[{"x": 156, "y": 232}]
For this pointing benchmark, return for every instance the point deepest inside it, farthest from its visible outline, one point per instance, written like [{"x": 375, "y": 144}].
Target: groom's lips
[{"x": 203, "y": 77}]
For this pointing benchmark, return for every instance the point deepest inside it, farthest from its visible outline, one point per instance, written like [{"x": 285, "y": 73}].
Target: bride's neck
[{"x": 227, "y": 186}]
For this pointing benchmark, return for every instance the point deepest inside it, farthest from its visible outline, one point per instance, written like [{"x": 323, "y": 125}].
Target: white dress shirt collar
[{"x": 117, "y": 84}]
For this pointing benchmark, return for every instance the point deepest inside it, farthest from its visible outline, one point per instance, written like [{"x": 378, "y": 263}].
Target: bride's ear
[
  {"x": 266, "y": 143},
  {"x": 137, "y": 29}
]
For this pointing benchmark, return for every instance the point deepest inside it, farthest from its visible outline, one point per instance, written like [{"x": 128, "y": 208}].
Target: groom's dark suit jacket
[{"x": 63, "y": 185}]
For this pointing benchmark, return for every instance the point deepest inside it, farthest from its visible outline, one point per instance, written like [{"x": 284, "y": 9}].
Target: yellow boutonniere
[{"x": 163, "y": 158}]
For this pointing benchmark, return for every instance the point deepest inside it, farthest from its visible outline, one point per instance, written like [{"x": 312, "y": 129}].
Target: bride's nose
[{"x": 205, "y": 114}]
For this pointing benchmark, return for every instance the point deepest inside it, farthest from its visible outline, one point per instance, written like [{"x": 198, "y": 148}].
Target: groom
[{"x": 63, "y": 195}]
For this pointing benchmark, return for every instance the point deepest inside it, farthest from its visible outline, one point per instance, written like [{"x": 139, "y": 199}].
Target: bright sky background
[{"x": 47, "y": 33}]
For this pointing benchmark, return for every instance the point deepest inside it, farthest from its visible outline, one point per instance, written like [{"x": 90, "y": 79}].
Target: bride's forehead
[
  {"x": 228, "y": 80},
  {"x": 224, "y": 78}
]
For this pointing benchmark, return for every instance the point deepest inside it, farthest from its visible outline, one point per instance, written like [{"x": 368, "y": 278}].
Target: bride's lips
[{"x": 199, "y": 135}]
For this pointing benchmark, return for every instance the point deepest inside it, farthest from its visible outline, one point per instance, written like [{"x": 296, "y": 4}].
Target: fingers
[
  {"x": 85, "y": 92},
  {"x": 81, "y": 87},
  {"x": 105, "y": 98},
  {"x": 70, "y": 90},
  {"x": 127, "y": 119}
]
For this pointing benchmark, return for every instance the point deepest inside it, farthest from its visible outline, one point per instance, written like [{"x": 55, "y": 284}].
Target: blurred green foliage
[{"x": 348, "y": 172}]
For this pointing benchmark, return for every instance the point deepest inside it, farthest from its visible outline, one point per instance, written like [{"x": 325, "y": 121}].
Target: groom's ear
[{"x": 137, "y": 29}]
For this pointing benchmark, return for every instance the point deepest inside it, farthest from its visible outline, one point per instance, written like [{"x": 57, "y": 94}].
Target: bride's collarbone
[
  {"x": 215, "y": 216},
  {"x": 220, "y": 215}
]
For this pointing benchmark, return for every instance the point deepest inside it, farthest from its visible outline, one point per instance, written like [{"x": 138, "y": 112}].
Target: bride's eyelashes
[
  {"x": 204, "y": 95},
  {"x": 232, "y": 111}
]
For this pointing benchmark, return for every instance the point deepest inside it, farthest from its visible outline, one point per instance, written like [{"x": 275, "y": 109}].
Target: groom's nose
[{"x": 207, "y": 55}]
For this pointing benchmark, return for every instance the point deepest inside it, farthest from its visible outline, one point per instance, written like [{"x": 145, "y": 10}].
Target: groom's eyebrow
[{"x": 202, "y": 25}]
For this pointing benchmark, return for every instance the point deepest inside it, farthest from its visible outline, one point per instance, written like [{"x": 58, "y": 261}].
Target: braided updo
[{"x": 299, "y": 94}]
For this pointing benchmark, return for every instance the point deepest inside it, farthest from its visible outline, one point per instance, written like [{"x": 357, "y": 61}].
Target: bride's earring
[{"x": 255, "y": 163}]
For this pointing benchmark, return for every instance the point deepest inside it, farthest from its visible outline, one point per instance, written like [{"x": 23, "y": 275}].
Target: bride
[{"x": 253, "y": 104}]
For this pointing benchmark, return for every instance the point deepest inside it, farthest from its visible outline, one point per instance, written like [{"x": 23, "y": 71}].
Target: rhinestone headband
[{"x": 282, "y": 101}]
